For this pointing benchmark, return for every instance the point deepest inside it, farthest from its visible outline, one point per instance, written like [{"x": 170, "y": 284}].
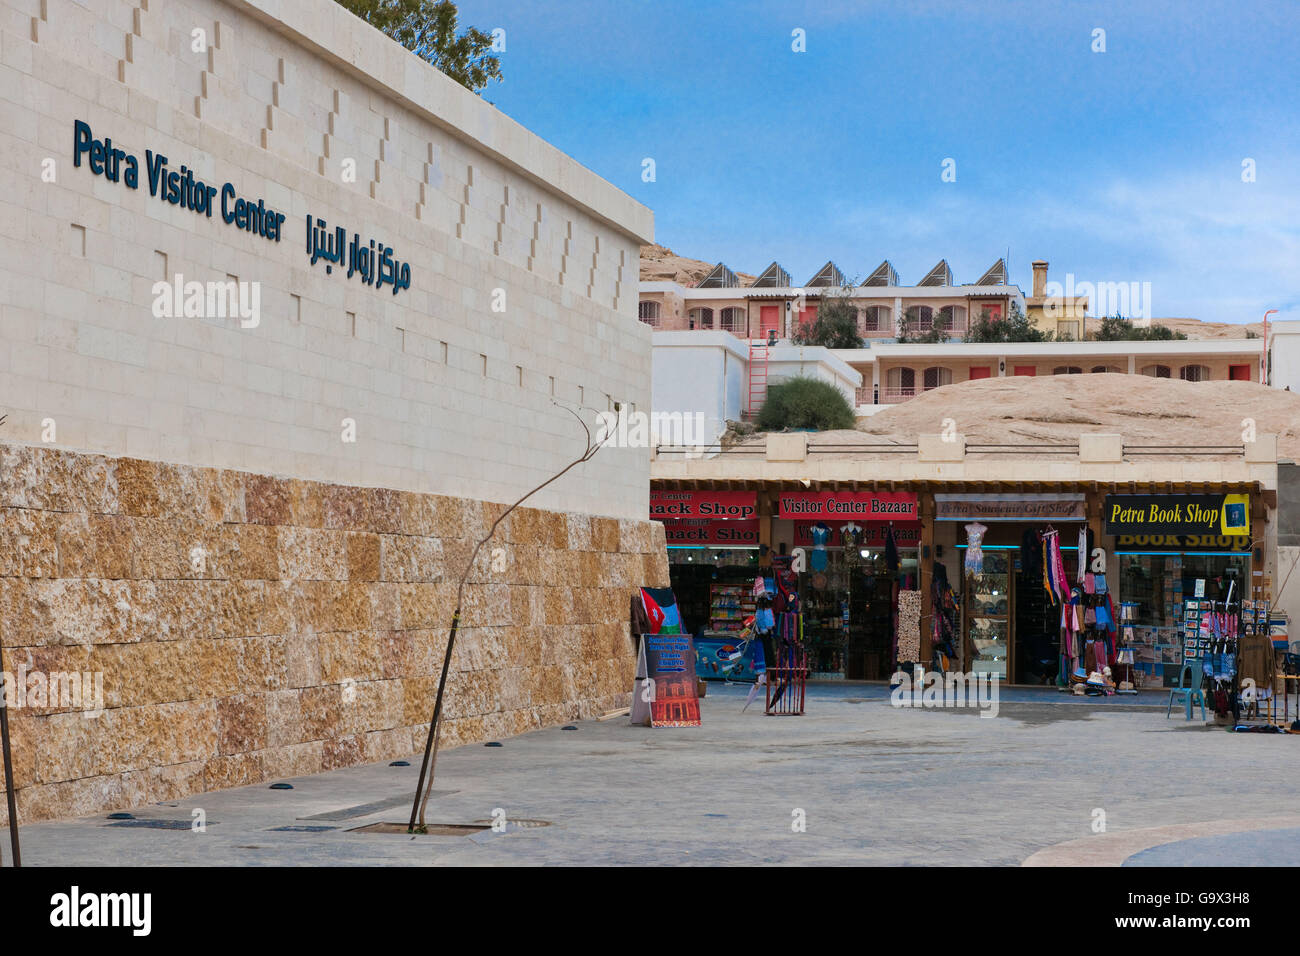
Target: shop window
[
  {"x": 1194, "y": 373},
  {"x": 1156, "y": 371},
  {"x": 648, "y": 312}
]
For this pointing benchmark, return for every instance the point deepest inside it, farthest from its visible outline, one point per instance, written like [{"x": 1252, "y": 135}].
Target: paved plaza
[{"x": 876, "y": 785}]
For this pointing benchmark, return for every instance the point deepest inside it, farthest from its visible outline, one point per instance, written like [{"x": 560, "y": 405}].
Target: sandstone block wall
[{"x": 306, "y": 631}]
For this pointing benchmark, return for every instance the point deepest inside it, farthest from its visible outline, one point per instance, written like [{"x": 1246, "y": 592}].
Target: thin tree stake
[{"x": 430, "y": 761}]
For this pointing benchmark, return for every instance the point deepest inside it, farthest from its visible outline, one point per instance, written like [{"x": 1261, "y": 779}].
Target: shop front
[
  {"x": 850, "y": 555},
  {"x": 1013, "y": 592},
  {"x": 855, "y": 554},
  {"x": 1172, "y": 550}
]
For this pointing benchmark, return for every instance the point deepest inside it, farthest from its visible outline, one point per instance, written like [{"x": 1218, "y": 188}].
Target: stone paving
[{"x": 876, "y": 785}]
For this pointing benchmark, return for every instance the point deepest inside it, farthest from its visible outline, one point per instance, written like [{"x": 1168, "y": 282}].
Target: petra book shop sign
[
  {"x": 728, "y": 505},
  {"x": 1178, "y": 515},
  {"x": 862, "y": 505}
]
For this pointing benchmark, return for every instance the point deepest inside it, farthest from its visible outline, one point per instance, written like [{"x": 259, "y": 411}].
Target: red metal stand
[{"x": 787, "y": 682}]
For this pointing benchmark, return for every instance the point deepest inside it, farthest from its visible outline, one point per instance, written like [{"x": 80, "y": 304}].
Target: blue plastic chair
[{"x": 1188, "y": 689}]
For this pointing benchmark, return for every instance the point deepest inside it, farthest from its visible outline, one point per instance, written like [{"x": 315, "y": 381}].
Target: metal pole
[
  {"x": 8, "y": 764},
  {"x": 1263, "y": 362}
]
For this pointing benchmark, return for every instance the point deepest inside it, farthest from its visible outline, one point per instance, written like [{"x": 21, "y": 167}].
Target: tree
[
  {"x": 1116, "y": 328},
  {"x": 836, "y": 325},
  {"x": 428, "y": 29},
  {"x": 805, "y": 403},
  {"x": 1015, "y": 327}
]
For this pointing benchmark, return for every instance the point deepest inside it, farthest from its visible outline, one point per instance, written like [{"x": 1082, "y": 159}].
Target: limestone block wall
[{"x": 248, "y": 627}]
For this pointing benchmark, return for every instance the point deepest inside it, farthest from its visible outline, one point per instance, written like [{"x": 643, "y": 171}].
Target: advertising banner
[
  {"x": 704, "y": 531},
  {"x": 703, "y": 504},
  {"x": 841, "y": 505},
  {"x": 1227, "y": 515},
  {"x": 1048, "y": 507},
  {"x": 670, "y": 680}
]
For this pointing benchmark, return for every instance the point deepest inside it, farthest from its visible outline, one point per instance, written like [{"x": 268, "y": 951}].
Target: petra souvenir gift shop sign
[
  {"x": 1045, "y": 507},
  {"x": 862, "y": 505},
  {"x": 703, "y": 504},
  {"x": 1200, "y": 515},
  {"x": 700, "y": 531}
]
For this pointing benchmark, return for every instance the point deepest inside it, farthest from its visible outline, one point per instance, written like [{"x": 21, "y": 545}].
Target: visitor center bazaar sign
[{"x": 372, "y": 261}]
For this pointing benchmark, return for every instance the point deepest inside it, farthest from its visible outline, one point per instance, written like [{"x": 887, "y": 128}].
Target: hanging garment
[
  {"x": 820, "y": 535},
  {"x": 1047, "y": 576},
  {"x": 1083, "y": 552},
  {"x": 975, "y": 548},
  {"x": 909, "y": 626}
]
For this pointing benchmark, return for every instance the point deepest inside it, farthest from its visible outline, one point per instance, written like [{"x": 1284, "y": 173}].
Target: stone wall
[{"x": 249, "y": 627}]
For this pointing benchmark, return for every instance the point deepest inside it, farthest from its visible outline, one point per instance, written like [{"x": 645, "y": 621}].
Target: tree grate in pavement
[
  {"x": 155, "y": 824},
  {"x": 365, "y": 809}
]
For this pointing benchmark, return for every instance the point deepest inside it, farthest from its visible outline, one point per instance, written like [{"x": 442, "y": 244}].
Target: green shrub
[{"x": 805, "y": 403}]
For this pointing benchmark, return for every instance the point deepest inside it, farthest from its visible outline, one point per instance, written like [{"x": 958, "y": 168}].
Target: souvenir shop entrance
[
  {"x": 855, "y": 554},
  {"x": 1014, "y": 593}
]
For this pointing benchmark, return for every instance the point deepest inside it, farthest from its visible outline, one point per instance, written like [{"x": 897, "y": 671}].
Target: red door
[
  {"x": 1239, "y": 373},
  {"x": 769, "y": 318},
  {"x": 807, "y": 316},
  {"x": 980, "y": 371},
  {"x": 1026, "y": 370}
]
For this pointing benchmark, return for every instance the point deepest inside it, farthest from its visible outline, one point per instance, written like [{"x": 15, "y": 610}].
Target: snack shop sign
[
  {"x": 863, "y": 505},
  {"x": 703, "y": 504}
]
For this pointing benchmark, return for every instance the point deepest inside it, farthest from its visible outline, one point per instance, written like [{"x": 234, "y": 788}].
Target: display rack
[{"x": 729, "y": 606}]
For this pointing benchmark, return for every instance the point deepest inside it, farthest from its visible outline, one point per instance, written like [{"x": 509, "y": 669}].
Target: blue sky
[{"x": 1122, "y": 166}]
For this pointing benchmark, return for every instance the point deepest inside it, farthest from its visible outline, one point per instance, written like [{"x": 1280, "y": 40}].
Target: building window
[
  {"x": 1156, "y": 371},
  {"x": 732, "y": 319},
  {"x": 936, "y": 377},
  {"x": 648, "y": 312},
  {"x": 1114, "y": 369},
  {"x": 900, "y": 383},
  {"x": 1194, "y": 373},
  {"x": 951, "y": 318},
  {"x": 701, "y": 318},
  {"x": 921, "y": 318},
  {"x": 876, "y": 318},
  {"x": 1067, "y": 370}
]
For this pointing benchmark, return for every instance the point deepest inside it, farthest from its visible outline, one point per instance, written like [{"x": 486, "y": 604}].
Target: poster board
[{"x": 670, "y": 680}]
